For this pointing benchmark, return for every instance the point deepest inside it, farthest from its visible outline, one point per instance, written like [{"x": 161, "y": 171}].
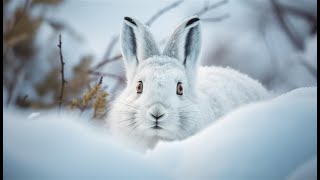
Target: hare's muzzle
[{"x": 157, "y": 113}]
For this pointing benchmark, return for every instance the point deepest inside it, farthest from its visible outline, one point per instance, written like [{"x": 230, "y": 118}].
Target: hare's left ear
[
  {"x": 184, "y": 43},
  {"x": 137, "y": 43}
]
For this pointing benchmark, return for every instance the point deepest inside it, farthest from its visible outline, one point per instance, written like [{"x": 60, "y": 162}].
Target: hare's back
[{"x": 227, "y": 88}]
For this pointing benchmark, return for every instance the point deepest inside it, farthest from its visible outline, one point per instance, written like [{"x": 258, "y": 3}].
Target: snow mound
[
  {"x": 64, "y": 147},
  {"x": 274, "y": 139},
  {"x": 265, "y": 140}
]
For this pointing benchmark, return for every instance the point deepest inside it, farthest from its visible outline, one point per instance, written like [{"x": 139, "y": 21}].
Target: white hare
[{"x": 168, "y": 96}]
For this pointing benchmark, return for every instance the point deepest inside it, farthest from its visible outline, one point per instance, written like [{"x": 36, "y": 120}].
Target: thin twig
[
  {"x": 100, "y": 81},
  {"x": 162, "y": 11},
  {"x": 63, "y": 81},
  {"x": 116, "y": 86},
  {"x": 207, "y": 7},
  {"x": 215, "y": 19},
  {"x": 111, "y": 45},
  {"x": 114, "y": 58},
  {"x": 309, "y": 67},
  {"x": 304, "y": 14},
  {"x": 296, "y": 41},
  {"x": 13, "y": 83},
  {"x": 120, "y": 78},
  {"x": 294, "y": 10}
]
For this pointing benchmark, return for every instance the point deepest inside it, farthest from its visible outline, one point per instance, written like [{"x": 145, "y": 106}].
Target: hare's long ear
[
  {"x": 184, "y": 43},
  {"x": 137, "y": 43}
]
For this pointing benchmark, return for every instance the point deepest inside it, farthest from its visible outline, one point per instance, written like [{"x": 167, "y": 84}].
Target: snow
[
  {"x": 274, "y": 139},
  {"x": 61, "y": 147},
  {"x": 307, "y": 170},
  {"x": 260, "y": 141}
]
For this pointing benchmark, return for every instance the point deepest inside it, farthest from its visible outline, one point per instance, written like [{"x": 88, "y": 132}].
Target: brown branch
[
  {"x": 24, "y": 10},
  {"x": 162, "y": 11},
  {"x": 63, "y": 81}
]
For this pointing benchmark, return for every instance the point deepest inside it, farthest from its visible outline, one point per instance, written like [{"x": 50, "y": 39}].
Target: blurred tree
[{"x": 20, "y": 28}]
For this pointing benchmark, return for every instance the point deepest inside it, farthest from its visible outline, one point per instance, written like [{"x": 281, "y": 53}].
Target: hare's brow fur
[{"x": 161, "y": 61}]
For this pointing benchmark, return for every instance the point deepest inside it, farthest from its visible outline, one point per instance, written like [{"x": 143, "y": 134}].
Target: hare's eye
[
  {"x": 179, "y": 88},
  {"x": 139, "y": 87}
]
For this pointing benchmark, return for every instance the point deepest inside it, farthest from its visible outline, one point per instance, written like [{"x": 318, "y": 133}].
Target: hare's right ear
[
  {"x": 137, "y": 43},
  {"x": 184, "y": 44}
]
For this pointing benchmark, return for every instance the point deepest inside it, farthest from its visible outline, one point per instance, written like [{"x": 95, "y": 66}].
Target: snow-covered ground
[{"x": 275, "y": 139}]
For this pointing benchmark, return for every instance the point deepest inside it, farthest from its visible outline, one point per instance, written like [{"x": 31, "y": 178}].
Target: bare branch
[
  {"x": 13, "y": 83},
  {"x": 304, "y": 14},
  {"x": 116, "y": 86},
  {"x": 307, "y": 15},
  {"x": 120, "y": 78},
  {"x": 24, "y": 10},
  {"x": 207, "y": 8},
  {"x": 296, "y": 41},
  {"x": 63, "y": 81},
  {"x": 162, "y": 11},
  {"x": 111, "y": 45},
  {"x": 309, "y": 67},
  {"x": 116, "y": 57},
  {"x": 100, "y": 81},
  {"x": 216, "y": 19}
]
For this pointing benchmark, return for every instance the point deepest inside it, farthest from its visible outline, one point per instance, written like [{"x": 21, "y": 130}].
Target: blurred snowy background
[{"x": 274, "y": 41}]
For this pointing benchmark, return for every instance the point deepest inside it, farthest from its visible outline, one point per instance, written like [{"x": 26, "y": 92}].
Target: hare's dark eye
[
  {"x": 179, "y": 88},
  {"x": 139, "y": 87}
]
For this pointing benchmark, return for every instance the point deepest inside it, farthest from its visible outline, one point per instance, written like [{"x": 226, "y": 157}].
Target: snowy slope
[
  {"x": 275, "y": 139},
  {"x": 60, "y": 147}
]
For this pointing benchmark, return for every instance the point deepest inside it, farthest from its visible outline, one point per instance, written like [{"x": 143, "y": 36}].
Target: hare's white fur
[{"x": 208, "y": 92}]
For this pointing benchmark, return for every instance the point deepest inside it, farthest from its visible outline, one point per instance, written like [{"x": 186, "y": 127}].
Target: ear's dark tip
[
  {"x": 193, "y": 20},
  {"x": 130, "y": 20}
]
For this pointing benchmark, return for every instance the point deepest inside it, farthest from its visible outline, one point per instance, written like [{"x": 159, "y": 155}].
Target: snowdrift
[{"x": 275, "y": 139}]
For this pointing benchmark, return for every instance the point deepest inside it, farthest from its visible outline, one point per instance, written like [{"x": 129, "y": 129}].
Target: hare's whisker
[
  {"x": 135, "y": 127},
  {"x": 127, "y": 119},
  {"x": 129, "y": 105},
  {"x": 186, "y": 131},
  {"x": 132, "y": 124},
  {"x": 185, "y": 106}
]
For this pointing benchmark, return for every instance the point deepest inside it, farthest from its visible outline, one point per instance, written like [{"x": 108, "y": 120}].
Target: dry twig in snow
[{"x": 63, "y": 81}]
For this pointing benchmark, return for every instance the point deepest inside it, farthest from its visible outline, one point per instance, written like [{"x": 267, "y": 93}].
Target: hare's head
[{"x": 159, "y": 100}]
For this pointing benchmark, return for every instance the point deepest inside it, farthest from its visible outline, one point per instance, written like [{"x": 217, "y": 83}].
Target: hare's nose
[
  {"x": 156, "y": 112},
  {"x": 157, "y": 116}
]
